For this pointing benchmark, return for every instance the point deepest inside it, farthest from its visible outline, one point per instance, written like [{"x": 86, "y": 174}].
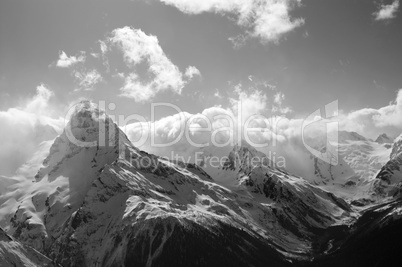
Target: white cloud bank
[
  {"x": 24, "y": 128},
  {"x": 372, "y": 122},
  {"x": 139, "y": 48},
  {"x": 214, "y": 123},
  {"x": 387, "y": 12},
  {"x": 268, "y": 20},
  {"x": 187, "y": 133}
]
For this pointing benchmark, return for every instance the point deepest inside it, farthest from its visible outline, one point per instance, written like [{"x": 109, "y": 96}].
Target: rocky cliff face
[{"x": 13, "y": 253}]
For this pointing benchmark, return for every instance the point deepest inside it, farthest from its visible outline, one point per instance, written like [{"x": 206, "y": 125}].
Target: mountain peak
[
  {"x": 384, "y": 139},
  {"x": 90, "y": 126},
  {"x": 90, "y": 142},
  {"x": 86, "y": 114},
  {"x": 86, "y": 123},
  {"x": 89, "y": 131},
  {"x": 245, "y": 157}
]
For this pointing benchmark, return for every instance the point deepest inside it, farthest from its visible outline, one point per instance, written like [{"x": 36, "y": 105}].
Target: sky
[{"x": 279, "y": 57}]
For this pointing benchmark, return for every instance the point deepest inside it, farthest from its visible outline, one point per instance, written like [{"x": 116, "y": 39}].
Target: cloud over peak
[
  {"x": 24, "y": 128},
  {"x": 267, "y": 20},
  {"x": 40, "y": 101},
  {"x": 387, "y": 12}
]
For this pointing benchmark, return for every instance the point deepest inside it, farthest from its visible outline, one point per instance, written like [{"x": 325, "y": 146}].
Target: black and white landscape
[{"x": 200, "y": 133}]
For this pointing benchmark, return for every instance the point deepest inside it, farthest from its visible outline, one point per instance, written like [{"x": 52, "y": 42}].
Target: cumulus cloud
[
  {"x": 24, "y": 128},
  {"x": 387, "y": 12},
  {"x": 87, "y": 79},
  {"x": 267, "y": 20},
  {"x": 147, "y": 71},
  {"x": 248, "y": 103},
  {"x": 217, "y": 94},
  {"x": 259, "y": 98},
  {"x": 278, "y": 107},
  {"x": 138, "y": 49},
  {"x": 84, "y": 78},
  {"x": 39, "y": 103},
  {"x": 192, "y": 71},
  {"x": 65, "y": 61}
]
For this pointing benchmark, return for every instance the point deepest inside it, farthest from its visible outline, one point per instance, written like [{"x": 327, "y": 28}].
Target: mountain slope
[
  {"x": 14, "y": 254},
  {"x": 127, "y": 205},
  {"x": 389, "y": 180},
  {"x": 373, "y": 240},
  {"x": 359, "y": 161}
]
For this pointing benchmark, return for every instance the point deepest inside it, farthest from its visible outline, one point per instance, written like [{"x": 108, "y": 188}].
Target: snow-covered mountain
[
  {"x": 364, "y": 157},
  {"x": 99, "y": 201},
  {"x": 359, "y": 161},
  {"x": 104, "y": 204}
]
